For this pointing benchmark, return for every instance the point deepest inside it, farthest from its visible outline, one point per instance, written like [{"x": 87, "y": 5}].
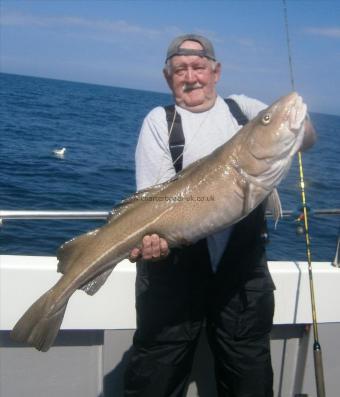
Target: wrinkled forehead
[{"x": 188, "y": 61}]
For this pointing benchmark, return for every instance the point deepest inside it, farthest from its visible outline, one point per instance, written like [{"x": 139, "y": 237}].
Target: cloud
[
  {"x": 333, "y": 32},
  {"x": 14, "y": 19}
]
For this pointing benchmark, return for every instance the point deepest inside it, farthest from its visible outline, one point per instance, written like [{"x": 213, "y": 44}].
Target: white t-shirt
[{"x": 203, "y": 133}]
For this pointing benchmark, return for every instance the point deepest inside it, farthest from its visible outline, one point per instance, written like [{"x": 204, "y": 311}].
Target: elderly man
[{"x": 222, "y": 282}]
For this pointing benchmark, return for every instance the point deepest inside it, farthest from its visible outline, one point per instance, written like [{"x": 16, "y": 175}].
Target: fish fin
[
  {"x": 251, "y": 197},
  {"x": 69, "y": 252},
  {"x": 188, "y": 169},
  {"x": 36, "y": 327},
  {"x": 120, "y": 208},
  {"x": 125, "y": 204},
  {"x": 274, "y": 205},
  {"x": 93, "y": 286}
]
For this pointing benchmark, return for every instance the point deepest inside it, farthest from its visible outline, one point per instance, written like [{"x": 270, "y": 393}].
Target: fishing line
[{"x": 319, "y": 375}]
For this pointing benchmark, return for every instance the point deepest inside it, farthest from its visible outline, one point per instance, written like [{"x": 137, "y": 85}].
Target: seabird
[{"x": 59, "y": 152}]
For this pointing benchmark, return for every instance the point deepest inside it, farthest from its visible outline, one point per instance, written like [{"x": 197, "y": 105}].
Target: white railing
[
  {"x": 51, "y": 215},
  {"x": 37, "y": 214},
  {"x": 23, "y": 214}
]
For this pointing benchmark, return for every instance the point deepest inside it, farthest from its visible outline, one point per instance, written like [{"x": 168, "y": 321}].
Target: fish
[{"x": 209, "y": 195}]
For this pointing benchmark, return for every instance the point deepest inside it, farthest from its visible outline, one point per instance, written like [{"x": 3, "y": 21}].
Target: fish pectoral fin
[
  {"x": 274, "y": 205},
  {"x": 251, "y": 197},
  {"x": 94, "y": 285},
  {"x": 70, "y": 251}
]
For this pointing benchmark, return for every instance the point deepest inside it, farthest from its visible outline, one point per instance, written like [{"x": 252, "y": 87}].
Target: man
[{"x": 223, "y": 281}]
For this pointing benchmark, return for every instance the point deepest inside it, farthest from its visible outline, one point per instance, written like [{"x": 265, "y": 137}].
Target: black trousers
[{"x": 174, "y": 299}]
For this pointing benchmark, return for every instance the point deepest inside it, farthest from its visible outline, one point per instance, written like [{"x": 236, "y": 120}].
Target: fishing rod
[{"x": 318, "y": 364}]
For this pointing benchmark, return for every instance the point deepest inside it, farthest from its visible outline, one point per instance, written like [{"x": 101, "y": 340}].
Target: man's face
[{"x": 192, "y": 80}]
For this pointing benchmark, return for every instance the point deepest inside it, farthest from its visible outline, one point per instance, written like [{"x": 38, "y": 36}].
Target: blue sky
[{"x": 123, "y": 43}]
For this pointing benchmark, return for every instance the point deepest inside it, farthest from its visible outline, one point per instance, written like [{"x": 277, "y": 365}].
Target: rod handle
[{"x": 319, "y": 376}]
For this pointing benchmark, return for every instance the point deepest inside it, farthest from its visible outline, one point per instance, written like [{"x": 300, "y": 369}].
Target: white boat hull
[{"x": 90, "y": 353}]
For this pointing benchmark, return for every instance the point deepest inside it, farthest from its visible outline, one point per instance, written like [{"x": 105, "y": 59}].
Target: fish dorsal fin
[
  {"x": 274, "y": 205},
  {"x": 70, "y": 251},
  {"x": 193, "y": 166},
  {"x": 93, "y": 286},
  {"x": 119, "y": 209},
  {"x": 125, "y": 204}
]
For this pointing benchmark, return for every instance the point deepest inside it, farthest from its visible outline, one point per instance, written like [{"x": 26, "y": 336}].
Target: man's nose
[{"x": 190, "y": 75}]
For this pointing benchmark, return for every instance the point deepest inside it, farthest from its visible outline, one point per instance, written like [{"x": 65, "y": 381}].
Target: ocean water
[{"x": 98, "y": 126}]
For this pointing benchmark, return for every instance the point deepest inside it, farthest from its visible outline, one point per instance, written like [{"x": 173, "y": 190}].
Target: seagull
[{"x": 59, "y": 152}]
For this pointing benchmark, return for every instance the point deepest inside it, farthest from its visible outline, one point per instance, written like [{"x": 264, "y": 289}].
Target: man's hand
[{"x": 153, "y": 248}]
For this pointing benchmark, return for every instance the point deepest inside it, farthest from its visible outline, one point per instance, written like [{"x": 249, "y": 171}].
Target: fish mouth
[
  {"x": 297, "y": 114},
  {"x": 295, "y": 120},
  {"x": 292, "y": 125}
]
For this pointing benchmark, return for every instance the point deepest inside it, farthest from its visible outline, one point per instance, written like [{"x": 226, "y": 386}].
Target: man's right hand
[{"x": 153, "y": 248}]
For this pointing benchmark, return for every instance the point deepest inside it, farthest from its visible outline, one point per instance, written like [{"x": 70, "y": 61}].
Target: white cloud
[
  {"x": 333, "y": 32},
  {"x": 15, "y": 19}
]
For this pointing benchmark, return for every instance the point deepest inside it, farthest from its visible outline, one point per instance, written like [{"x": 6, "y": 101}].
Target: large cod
[{"x": 239, "y": 175}]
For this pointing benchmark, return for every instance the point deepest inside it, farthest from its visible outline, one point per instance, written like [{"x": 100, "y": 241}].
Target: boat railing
[
  {"x": 77, "y": 215},
  {"x": 50, "y": 215},
  {"x": 60, "y": 214}
]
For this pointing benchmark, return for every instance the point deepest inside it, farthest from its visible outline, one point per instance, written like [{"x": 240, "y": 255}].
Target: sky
[{"x": 123, "y": 43}]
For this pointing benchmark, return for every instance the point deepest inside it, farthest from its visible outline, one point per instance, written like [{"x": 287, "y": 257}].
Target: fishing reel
[{"x": 299, "y": 220}]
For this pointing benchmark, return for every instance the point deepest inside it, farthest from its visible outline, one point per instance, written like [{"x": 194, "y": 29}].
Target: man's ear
[
  {"x": 168, "y": 78},
  {"x": 217, "y": 72}
]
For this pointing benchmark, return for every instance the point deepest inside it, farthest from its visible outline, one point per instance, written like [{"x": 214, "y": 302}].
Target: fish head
[
  {"x": 278, "y": 131},
  {"x": 270, "y": 141}
]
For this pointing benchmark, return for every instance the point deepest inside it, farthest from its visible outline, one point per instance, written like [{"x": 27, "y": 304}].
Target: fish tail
[{"x": 40, "y": 324}]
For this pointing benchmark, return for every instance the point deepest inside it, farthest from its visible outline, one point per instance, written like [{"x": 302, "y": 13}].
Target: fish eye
[{"x": 266, "y": 119}]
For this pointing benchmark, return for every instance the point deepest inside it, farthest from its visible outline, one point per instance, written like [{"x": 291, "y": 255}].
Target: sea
[{"x": 99, "y": 126}]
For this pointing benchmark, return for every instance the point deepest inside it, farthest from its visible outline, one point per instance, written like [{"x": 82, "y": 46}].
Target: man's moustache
[{"x": 190, "y": 87}]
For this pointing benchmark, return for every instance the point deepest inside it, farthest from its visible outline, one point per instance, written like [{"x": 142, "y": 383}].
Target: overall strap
[
  {"x": 176, "y": 135},
  {"x": 236, "y": 111},
  {"x": 259, "y": 212}
]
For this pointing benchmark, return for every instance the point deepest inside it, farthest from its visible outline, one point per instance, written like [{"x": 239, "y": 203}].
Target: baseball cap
[{"x": 174, "y": 47}]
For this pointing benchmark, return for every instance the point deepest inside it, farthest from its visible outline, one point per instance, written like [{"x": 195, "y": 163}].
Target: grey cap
[{"x": 174, "y": 47}]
